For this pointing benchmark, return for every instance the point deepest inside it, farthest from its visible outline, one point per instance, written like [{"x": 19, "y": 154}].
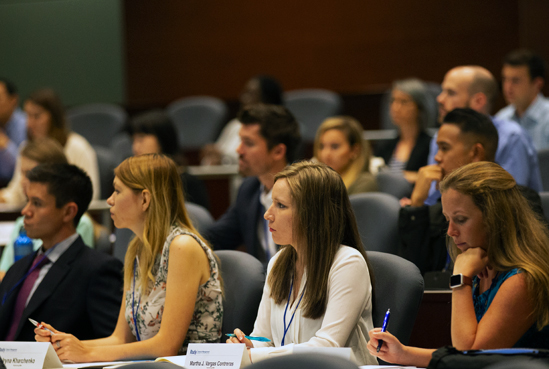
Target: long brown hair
[
  {"x": 323, "y": 220},
  {"x": 50, "y": 101},
  {"x": 517, "y": 237},
  {"x": 158, "y": 174}
]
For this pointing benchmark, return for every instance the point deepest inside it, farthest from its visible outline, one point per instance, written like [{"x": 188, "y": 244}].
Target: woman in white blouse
[{"x": 318, "y": 291}]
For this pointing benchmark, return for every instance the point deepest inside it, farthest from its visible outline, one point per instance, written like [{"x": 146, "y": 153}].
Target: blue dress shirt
[
  {"x": 535, "y": 120},
  {"x": 16, "y": 130}
]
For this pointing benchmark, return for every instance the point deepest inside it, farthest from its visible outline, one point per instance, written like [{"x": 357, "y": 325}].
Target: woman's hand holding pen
[
  {"x": 239, "y": 337},
  {"x": 391, "y": 350},
  {"x": 67, "y": 347}
]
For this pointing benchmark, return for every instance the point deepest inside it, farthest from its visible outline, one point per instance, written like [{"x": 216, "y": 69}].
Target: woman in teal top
[
  {"x": 501, "y": 267},
  {"x": 37, "y": 152}
]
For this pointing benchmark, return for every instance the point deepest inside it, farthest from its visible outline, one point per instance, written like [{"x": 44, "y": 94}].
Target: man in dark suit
[
  {"x": 64, "y": 283},
  {"x": 269, "y": 141}
]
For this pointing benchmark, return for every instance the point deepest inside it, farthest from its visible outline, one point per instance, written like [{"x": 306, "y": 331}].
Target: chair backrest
[
  {"x": 243, "y": 279},
  {"x": 200, "y": 217},
  {"x": 394, "y": 184},
  {"x": 304, "y": 361},
  {"x": 377, "y": 219},
  {"x": 123, "y": 236},
  {"x": 197, "y": 119},
  {"x": 545, "y": 203},
  {"x": 310, "y": 107},
  {"x": 106, "y": 164},
  {"x": 98, "y": 123},
  {"x": 121, "y": 146},
  {"x": 398, "y": 286},
  {"x": 543, "y": 159}
]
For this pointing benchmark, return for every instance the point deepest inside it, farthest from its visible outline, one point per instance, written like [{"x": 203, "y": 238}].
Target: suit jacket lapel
[
  {"x": 6, "y": 309},
  {"x": 54, "y": 276}
]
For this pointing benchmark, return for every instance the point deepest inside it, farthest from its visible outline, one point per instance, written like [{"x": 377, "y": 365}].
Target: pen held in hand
[
  {"x": 384, "y": 328},
  {"x": 38, "y": 325},
  {"x": 260, "y": 339}
]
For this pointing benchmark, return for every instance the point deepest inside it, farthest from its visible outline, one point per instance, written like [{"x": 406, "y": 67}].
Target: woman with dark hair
[
  {"x": 153, "y": 132},
  {"x": 500, "y": 285},
  {"x": 259, "y": 89},
  {"x": 412, "y": 110},
  {"x": 312, "y": 297},
  {"x": 46, "y": 118}
]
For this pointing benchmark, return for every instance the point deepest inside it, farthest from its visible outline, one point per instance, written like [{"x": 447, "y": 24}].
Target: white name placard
[
  {"x": 29, "y": 355},
  {"x": 217, "y": 356}
]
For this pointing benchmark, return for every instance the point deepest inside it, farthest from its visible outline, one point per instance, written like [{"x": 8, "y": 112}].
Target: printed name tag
[
  {"x": 217, "y": 356},
  {"x": 29, "y": 355}
]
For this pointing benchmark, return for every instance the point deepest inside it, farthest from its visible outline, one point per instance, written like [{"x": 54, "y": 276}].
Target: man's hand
[{"x": 426, "y": 175}]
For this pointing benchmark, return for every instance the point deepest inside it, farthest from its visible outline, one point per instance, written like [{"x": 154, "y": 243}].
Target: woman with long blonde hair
[
  {"x": 500, "y": 285},
  {"x": 173, "y": 293},
  {"x": 319, "y": 285},
  {"x": 339, "y": 144}
]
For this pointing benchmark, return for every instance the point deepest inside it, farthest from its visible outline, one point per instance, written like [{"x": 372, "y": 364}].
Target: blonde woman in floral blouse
[{"x": 173, "y": 293}]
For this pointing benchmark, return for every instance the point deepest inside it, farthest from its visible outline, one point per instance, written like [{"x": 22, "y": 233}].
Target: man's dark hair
[
  {"x": 478, "y": 126},
  {"x": 67, "y": 183},
  {"x": 271, "y": 91},
  {"x": 528, "y": 58},
  {"x": 277, "y": 126},
  {"x": 10, "y": 86}
]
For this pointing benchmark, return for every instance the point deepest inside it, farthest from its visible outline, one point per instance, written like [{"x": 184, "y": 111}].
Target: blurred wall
[
  {"x": 179, "y": 48},
  {"x": 74, "y": 46}
]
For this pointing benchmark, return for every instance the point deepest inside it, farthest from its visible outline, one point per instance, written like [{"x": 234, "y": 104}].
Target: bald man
[{"x": 476, "y": 88}]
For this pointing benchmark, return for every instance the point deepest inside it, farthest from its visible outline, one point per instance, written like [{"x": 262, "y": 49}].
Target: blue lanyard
[
  {"x": 7, "y": 294},
  {"x": 286, "y": 309},
  {"x": 134, "y": 312}
]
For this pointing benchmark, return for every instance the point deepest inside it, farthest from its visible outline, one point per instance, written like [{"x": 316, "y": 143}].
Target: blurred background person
[
  {"x": 46, "y": 118},
  {"x": 412, "y": 110},
  {"x": 154, "y": 132},
  {"x": 42, "y": 151},
  {"x": 339, "y": 144},
  {"x": 259, "y": 89},
  {"x": 13, "y": 129}
]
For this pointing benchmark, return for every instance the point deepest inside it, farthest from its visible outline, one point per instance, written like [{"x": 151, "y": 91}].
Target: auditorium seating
[
  {"x": 243, "y": 281},
  {"x": 310, "y": 107},
  {"x": 398, "y": 286},
  {"x": 198, "y": 120},
  {"x": 377, "y": 219}
]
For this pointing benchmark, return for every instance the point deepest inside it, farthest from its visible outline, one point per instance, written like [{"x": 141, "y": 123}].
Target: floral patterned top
[{"x": 205, "y": 326}]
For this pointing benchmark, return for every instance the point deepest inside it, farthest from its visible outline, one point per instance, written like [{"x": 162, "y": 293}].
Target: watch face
[{"x": 455, "y": 280}]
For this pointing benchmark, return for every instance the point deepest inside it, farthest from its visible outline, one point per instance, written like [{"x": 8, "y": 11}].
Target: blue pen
[
  {"x": 260, "y": 339},
  {"x": 384, "y": 328}
]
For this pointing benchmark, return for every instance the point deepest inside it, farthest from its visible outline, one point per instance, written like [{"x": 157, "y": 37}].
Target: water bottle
[{"x": 22, "y": 246}]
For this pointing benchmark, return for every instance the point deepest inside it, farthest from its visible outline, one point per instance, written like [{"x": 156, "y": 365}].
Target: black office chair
[
  {"x": 98, "y": 123},
  {"x": 394, "y": 184},
  {"x": 243, "y": 279},
  {"x": 197, "y": 119},
  {"x": 377, "y": 220},
  {"x": 399, "y": 287},
  {"x": 310, "y": 107}
]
